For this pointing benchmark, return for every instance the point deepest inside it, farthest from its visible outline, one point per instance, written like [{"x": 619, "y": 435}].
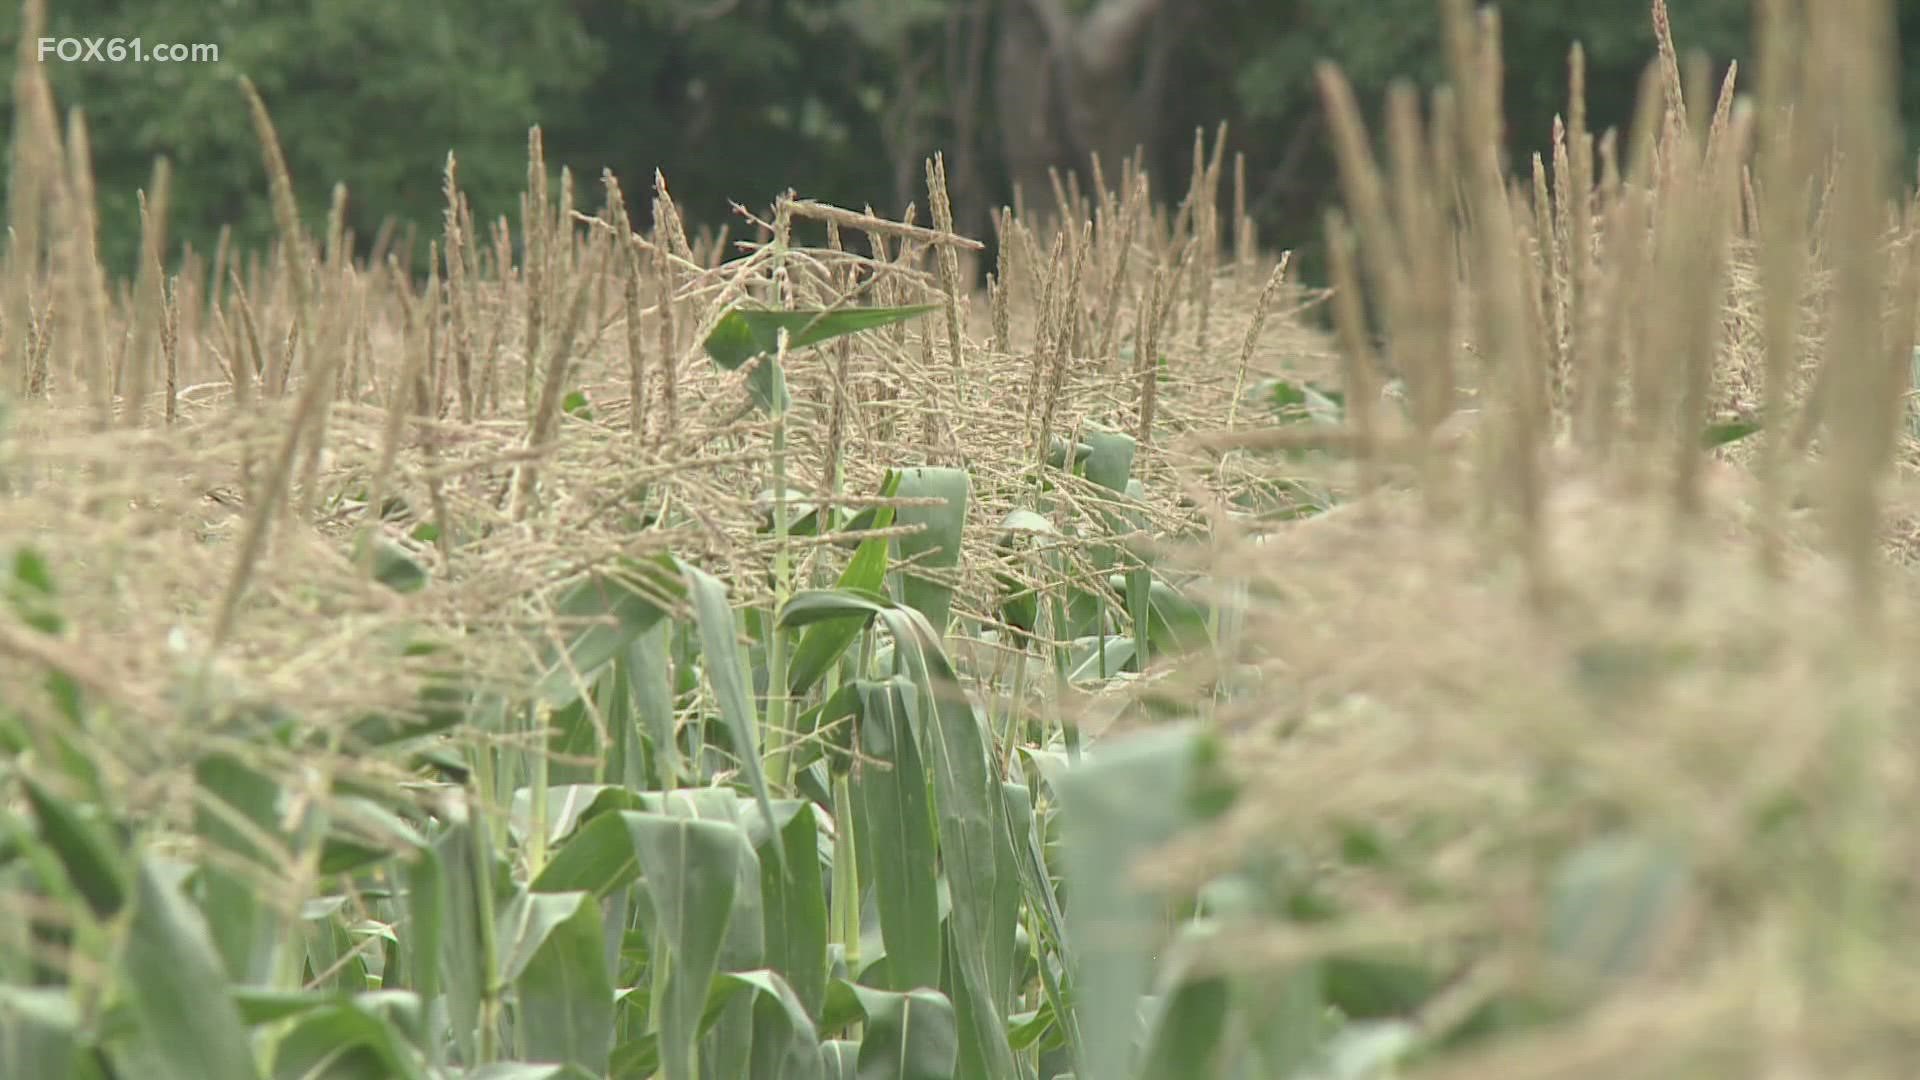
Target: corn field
[{"x": 758, "y": 653}]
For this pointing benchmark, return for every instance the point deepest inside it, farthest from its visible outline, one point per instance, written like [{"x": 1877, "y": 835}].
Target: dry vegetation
[{"x": 1546, "y": 665}]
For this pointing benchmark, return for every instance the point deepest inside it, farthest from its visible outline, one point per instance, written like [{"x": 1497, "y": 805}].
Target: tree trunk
[{"x": 1072, "y": 87}]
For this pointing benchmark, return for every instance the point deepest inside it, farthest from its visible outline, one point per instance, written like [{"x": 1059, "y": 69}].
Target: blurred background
[{"x": 737, "y": 100}]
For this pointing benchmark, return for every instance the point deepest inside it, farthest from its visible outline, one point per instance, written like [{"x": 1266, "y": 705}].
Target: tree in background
[
  {"x": 733, "y": 100},
  {"x": 737, "y": 100},
  {"x": 1267, "y": 73},
  {"x": 369, "y": 93},
  {"x": 1080, "y": 81}
]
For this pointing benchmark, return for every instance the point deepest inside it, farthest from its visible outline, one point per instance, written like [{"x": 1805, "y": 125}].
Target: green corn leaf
[
  {"x": 727, "y": 1049},
  {"x": 782, "y": 1040},
  {"x": 1057, "y": 453},
  {"x": 743, "y": 334},
  {"x": 1138, "y": 591},
  {"x": 639, "y": 1058},
  {"x": 568, "y": 807},
  {"x": 968, "y": 814},
  {"x": 624, "y": 759},
  {"x": 1176, "y": 624},
  {"x": 329, "y": 948},
  {"x": 1097, "y": 659},
  {"x": 784, "y": 1044},
  {"x": 1179, "y": 624},
  {"x": 803, "y": 517},
  {"x": 259, "y": 1005},
  {"x": 1109, "y": 462},
  {"x": 442, "y": 702},
  {"x": 1293, "y": 1006},
  {"x": 1377, "y": 984},
  {"x": 811, "y": 607},
  {"x": 840, "y": 1060},
  {"x": 32, "y": 593},
  {"x": 573, "y": 741},
  {"x": 795, "y": 909},
  {"x": 1029, "y": 1029},
  {"x": 744, "y": 946},
  {"x": 833, "y": 620},
  {"x": 1727, "y": 433},
  {"x": 393, "y": 566},
  {"x": 426, "y": 925},
  {"x": 1019, "y": 603},
  {"x": 727, "y": 672},
  {"x": 1036, "y": 882},
  {"x": 936, "y": 547},
  {"x": 1186, "y": 1033},
  {"x": 1012, "y": 823},
  {"x": 455, "y": 887},
  {"x": 85, "y": 847},
  {"x": 692, "y": 872},
  {"x": 1611, "y": 901},
  {"x": 827, "y": 639},
  {"x": 247, "y": 929},
  {"x": 896, "y": 833},
  {"x": 910, "y": 1036},
  {"x": 650, "y": 680},
  {"x": 345, "y": 1040},
  {"x": 1026, "y": 521},
  {"x": 830, "y": 728},
  {"x": 41, "y": 1034},
  {"x": 185, "y": 1027},
  {"x": 552, "y": 950},
  {"x": 877, "y": 516},
  {"x": 598, "y": 858},
  {"x": 1296, "y": 401},
  {"x": 1114, "y": 806},
  {"x": 707, "y": 804},
  {"x": 621, "y": 607}
]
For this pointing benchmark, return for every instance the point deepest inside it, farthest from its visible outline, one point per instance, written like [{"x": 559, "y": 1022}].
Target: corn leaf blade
[
  {"x": 185, "y": 1027},
  {"x": 551, "y": 943}
]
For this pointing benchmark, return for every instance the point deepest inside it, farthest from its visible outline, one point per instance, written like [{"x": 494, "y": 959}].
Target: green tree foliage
[
  {"x": 736, "y": 100},
  {"x": 368, "y": 93},
  {"x": 732, "y": 107},
  {"x": 1266, "y": 73}
]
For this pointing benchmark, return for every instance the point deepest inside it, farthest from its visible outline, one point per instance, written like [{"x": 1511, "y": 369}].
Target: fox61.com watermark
[{"x": 125, "y": 50}]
